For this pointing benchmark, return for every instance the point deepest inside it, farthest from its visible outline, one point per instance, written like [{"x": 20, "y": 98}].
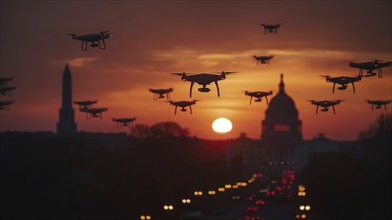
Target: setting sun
[{"x": 222, "y": 125}]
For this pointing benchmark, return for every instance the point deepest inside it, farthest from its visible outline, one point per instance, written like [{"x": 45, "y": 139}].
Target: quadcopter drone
[
  {"x": 93, "y": 112},
  {"x": 325, "y": 104},
  {"x": 259, "y": 95},
  {"x": 271, "y": 28},
  {"x": 203, "y": 79},
  {"x": 85, "y": 104},
  {"x": 3, "y": 80},
  {"x": 342, "y": 81},
  {"x": 160, "y": 93},
  {"x": 96, "y": 40},
  {"x": 378, "y": 103},
  {"x": 126, "y": 122},
  {"x": 263, "y": 59},
  {"x": 370, "y": 66},
  {"x": 5, "y": 105},
  {"x": 6, "y": 90},
  {"x": 183, "y": 105}
]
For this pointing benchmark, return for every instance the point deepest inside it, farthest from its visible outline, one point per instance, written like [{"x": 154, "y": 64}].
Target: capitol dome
[{"x": 281, "y": 121}]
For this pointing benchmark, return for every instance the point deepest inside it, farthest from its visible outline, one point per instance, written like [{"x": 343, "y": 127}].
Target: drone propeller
[
  {"x": 325, "y": 76},
  {"x": 180, "y": 74},
  {"x": 227, "y": 73},
  {"x": 72, "y": 35}
]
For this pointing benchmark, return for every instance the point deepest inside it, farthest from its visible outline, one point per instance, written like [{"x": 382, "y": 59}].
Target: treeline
[{"x": 71, "y": 179}]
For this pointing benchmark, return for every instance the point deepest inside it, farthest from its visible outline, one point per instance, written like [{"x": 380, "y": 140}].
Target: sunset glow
[{"x": 152, "y": 39}]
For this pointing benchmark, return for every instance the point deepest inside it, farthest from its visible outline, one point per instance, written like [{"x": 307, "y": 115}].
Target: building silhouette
[
  {"x": 281, "y": 121},
  {"x": 281, "y": 147},
  {"x": 66, "y": 125}
]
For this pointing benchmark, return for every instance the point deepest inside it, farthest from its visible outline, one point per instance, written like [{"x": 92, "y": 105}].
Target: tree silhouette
[{"x": 160, "y": 130}]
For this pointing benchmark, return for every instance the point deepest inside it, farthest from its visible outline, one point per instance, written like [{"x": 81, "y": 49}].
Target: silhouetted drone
[
  {"x": 378, "y": 103},
  {"x": 95, "y": 39},
  {"x": 183, "y": 105},
  {"x": 325, "y": 104},
  {"x": 343, "y": 81},
  {"x": 203, "y": 79},
  {"x": 259, "y": 95},
  {"x": 271, "y": 28},
  {"x": 3, "y": 80},
  {"x": 6, "y": 90},
  {"x": 5, "y": 105},
  {"x": 263, "y": 59},
  {"x": 85, "y": 104},
  {"x": 160, "y": 93},
  {"x": 126, "y": 122},
  {"x": 93, "y": 112},
  {"x": 370, "y": 66}
]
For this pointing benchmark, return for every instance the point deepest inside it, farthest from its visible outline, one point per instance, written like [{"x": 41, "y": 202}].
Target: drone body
[
  {"x": 183, "y": 105},
  {"x": 6, "y": 90},
  {"x": 96, "y": 40},
  {"x": 203, "y": 79},
  {"x": 4, "y": 80},
  {"x": 263, "y": 59},
  {"x": 370, "y": 67},
  {"x": 126, "y": 122},
  {"x": 85, "y": 104},
  {"x": 325, "y": 104},
  {"x": 160, "y": 93},
  {"x": 270, "y": 28},
  {"x": 342, "y": 81},
  {"x": 94, "y": 112},
  {"x": 376, "y": 104},
  {"x": 5, "y": 105},
  {"x": 259, "y": 95}
]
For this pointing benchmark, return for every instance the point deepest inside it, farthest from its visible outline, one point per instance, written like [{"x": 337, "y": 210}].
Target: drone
[
  {"x": 343, "y": 81},
  {"x": 263, "y": 59},
  {"x": 325, "y": 104},
  {"x": 203, "y": 79},
  {"x": 160, "y": 93},
  {"x": 5, "y": 105},
  {"x": 271, "y": 28},
  {"x": 183, "y": 105},
  {"x": 370, "y": 66},
  {"x": 93, "y": 112},
  {"x": 3, "y": 80},
  {"x": 95, "y": 39},
  {"x": 85, "y": 104},
  {"x": 126, "y": 122},
  {"x": 6, "y": 90},
  {"x": 258, "y": 95},
  {"x": 378, "y": 103}
]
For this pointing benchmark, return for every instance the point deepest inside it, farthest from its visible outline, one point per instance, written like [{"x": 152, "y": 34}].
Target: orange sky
[{"x": 151, "y": 39}]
